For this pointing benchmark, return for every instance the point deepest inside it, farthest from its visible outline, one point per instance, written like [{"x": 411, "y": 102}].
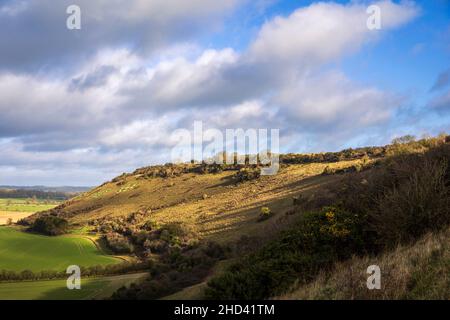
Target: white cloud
[
  {"x": 37, "y": 105},
  {"x": 116, "y": 110},
  {"x": 331, "y": 102},
  {"x": 323, "y": 32}
]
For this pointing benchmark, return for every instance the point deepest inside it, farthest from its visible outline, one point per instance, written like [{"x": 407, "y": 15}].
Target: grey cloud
[
  {"x": 441, "y": 103},
  {"x": 37, "y": 37},
  {"x": 96, "y": 78},
  {"x": 442, "y": 81}
]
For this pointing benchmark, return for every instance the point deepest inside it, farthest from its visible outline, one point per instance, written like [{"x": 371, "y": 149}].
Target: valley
[{"x": 195, "y": 231}]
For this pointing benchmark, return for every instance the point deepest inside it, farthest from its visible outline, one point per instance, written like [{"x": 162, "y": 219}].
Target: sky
[{"x": 79, "y": 107}]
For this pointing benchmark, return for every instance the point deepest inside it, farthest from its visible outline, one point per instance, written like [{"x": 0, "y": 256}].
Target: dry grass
[
  {"x": 420, "y": 271},
  {"x": 228, "y": 212},
  {"x": 14, "y": 216}
]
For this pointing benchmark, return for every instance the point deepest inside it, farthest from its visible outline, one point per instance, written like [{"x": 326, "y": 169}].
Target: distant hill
[
  {"x": 41, "y": 192},
  {"x": 65, "y": 189}
]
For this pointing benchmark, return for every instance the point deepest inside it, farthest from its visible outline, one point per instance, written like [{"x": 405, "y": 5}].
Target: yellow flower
[{"x": 329, "y": 215}]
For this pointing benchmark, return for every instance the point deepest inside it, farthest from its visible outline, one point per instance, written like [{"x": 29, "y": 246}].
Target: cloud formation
[
  {"x": 37, "y": 37},
  {"x": 94, "y": 103}
]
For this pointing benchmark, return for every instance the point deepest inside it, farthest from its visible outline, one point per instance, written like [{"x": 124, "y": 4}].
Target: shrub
[
  {"x": 328, "y": 170},
  {"x": 265, "y": 213},
  {"x": 50, "y": 225},
  {"x": 215, "y": 250},
  {"x": 403, "y": 198},
  {"x": 150, "y": 225},
  {"x": 404, "y": 139},
  {"x": 156, "y": 246},
  {"x": 299, "y": 200},
  {"x": 247, "y": 174},
  {"x": 417, "y": 204},
  {"x": 118, "y": 243},
  {"x": 316, "y": 241}
]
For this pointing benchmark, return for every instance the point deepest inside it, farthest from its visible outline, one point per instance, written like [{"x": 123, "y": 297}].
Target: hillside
[
  {"x": 218, "y": 227},
  {"x": 417, "y": 271},
  {"x": 213, "y": 204}
]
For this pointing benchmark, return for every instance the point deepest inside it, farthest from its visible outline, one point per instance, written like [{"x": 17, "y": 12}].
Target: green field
[
  {"x": 25, "y": 251},
  {"x": 27, "y": 205},
  {"x": 93, "y": 288}
]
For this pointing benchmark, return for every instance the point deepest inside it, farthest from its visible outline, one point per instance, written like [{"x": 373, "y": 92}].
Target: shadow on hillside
[
  {"x": 226, "y": 181},
  {"x": 246, "y": 217}
]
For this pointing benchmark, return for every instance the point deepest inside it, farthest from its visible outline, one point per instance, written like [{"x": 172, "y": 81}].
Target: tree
[
  {"x": 404, "y": 139},
  {"x": 50, "y": 225}
]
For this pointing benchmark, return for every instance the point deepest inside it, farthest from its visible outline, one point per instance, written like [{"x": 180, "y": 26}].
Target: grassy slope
[
  {"x": 93, "y": 288},
  {"x": 419, "y": 271},
  {"x": 228, "y": 212},
  {"x": 20, "y": 251}
]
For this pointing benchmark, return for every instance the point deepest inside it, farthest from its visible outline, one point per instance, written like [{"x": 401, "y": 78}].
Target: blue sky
[{"x": 81, "y": 106}]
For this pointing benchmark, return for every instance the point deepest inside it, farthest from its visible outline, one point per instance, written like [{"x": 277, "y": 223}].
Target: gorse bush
[
  {"x": 265, "y": 213},
  {"x": 315, "y": 242}
]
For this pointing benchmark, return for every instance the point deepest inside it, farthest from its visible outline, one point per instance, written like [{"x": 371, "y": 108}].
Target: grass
[
  {"x": 91, "y": 288},
  {"x": 9, "y": 216},
  {"x": 26, "y": 205},
  {"x": 229, "y": 211},
  {"x": 25, "y": 251},
  {"x": 418, "y": 271},
  {"x": 16, "y": 209}
]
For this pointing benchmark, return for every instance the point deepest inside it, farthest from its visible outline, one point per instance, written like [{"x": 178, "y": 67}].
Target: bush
[
  {"x": 118, "y": 243},
  {"x": 416, "y": 205},
  {"x": 247, "y": 174},
  {"x": 315, "y": 242},
  {"x": 150, "y": 225},
  {"x": 299, "y": 200},
  {"x": 265, "y": 213},
  {"x": 328, "y": 170},
  {"x": 405, "y": 197},
  {"x": 50, "y": 225}
]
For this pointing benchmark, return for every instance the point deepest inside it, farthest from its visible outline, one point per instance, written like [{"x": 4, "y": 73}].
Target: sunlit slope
[{"x": 214, "y": 205}]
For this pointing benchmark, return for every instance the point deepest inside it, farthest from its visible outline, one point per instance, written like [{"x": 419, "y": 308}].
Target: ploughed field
[{"x": 26, "y": 251}]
